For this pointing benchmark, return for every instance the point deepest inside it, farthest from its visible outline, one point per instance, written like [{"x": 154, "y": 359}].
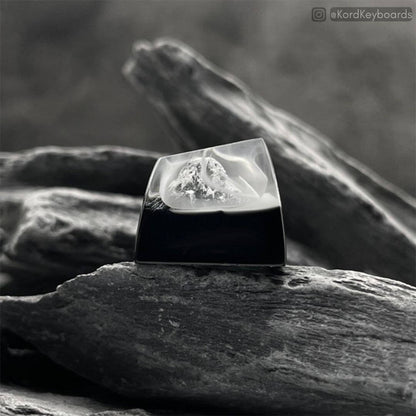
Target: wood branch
[
  {"x": 54, "y": 234},
  {"x": 302, "y": 339},
  {"x": 332, "y": 204},
  {"x": 103, "y": 168}
]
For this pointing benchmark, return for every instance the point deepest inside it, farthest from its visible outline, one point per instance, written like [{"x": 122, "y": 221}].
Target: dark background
[{"x": 61, "y": 80}]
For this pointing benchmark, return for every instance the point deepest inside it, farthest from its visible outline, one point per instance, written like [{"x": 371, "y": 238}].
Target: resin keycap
[{"x": 219, "y": 205}]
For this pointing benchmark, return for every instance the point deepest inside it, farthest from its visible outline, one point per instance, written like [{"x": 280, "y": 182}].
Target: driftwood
[
  {"x": 52, "y": 235},
  {"x": 48, "y": 236},
  {"x": 57, "y": 233},
  {"x": 17, "y": 401},
  {"x": 102, "y": 168},
  {"x": 332, "y": 204},
  {"x": 301, "y": 339}
]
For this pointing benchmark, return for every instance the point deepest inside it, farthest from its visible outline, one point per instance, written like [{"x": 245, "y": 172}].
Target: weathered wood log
[
  {"x": 331, "y": 203},
  {"x": 54, "y": 234},
  {"x": 302, "y": 339},
  {"x": 102, "y": 168},
  {"x": 15, "y": 401}
]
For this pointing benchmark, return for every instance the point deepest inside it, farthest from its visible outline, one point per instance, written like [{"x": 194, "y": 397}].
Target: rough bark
[
  {"x": 331, "y": 203},
  {"x": 300, "y": 339},
  {"x": 54, "y": 234},
  {"x": 102, "y": 168}
]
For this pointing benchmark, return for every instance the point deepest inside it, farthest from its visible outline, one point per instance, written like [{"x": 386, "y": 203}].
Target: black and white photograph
[{"x": 207, "y": 207}]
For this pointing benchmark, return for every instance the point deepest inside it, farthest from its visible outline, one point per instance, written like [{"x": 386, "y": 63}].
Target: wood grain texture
[
  {"x": 332, "y": 204},
  {"x": 101, "y": 168},
  {"x": 301, "y": 340}
]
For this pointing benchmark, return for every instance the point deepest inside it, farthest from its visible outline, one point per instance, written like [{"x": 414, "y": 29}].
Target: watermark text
[{"x": 363, "y": 14}]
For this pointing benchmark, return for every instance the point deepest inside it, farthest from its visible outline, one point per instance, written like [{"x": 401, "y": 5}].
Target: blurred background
[{"x": 355, "y": 82}]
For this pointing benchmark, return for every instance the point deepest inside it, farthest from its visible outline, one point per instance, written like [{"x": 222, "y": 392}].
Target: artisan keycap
[{"x": 218, "y": 205}]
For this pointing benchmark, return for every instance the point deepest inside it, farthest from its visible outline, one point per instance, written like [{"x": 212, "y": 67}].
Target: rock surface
[
  {"x": 332, "y": 204},
  {"x": 301, "y": 339},
  {"x": 102, "y": 168}
]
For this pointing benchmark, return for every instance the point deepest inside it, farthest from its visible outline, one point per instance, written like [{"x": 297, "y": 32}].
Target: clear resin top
[{"x": 232, "y": 177}]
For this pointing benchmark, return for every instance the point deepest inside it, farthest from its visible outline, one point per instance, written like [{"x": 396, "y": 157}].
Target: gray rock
[
  {"x": 332, "y": 204},
  {"x": 300, "y": 339}
]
